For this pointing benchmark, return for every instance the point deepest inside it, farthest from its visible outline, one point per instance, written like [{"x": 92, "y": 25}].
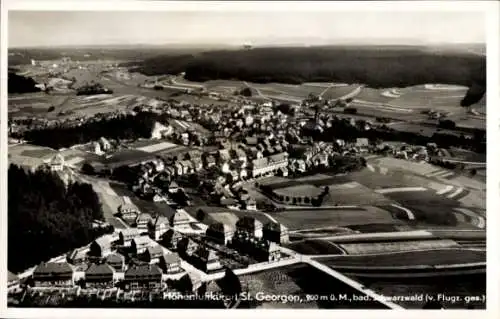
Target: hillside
[{"x": 375, "y": 66}]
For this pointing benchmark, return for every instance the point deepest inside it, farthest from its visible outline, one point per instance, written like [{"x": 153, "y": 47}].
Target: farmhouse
[
  {"x": 53, "y": 275},
  {"x": 187, "y": 246},
  {"x": 99, "y": 276},
  {"x": 143, "y": 277}
]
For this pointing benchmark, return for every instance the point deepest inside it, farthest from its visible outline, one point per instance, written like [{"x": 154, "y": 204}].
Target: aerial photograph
[{"x": 246, "y": 159}]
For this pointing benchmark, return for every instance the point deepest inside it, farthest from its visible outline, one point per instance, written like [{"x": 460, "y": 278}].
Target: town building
[
  {"x": 77, "y": 256},
  {"x": 186, "y": 246},
  {"x": 170, "y": 263},
  {"x": 179, "y": 218},
  {"x": 220, "y": 232},
  {"x": 52, "y": 274},
  {"x": 101, "y": 246},
  {"x": 99, "y": 276},
  {"x": 157, "y": 227},
  {"x": 207, "y": 260},
  {"x": 127, "y": 235},
  {"x": 117, "y": 261},
  {"x": 139, "y": 277},
  {"x": 140, "y": 244},
  {"x": 276, "y": 232},
  {"x": 171, "y": 238},
  {"x": 57, "y": 163},
  {"x": 153, "y": 254},
  {"x": 250, "y": 225},
  {"x": 142, "y": 222},
  {"x": 269, "y": 165}
]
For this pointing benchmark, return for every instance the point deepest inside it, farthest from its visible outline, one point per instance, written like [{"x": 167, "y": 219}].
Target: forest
[
  {"x": 47, "y": 219},
  {"x": 121, "y": 127},
  {"x": 20, "y": 84},
  {"x": 375, "y": 66}
]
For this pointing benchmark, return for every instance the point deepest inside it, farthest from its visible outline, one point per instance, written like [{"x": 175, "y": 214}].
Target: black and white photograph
[{"x": 170, "y": 157}]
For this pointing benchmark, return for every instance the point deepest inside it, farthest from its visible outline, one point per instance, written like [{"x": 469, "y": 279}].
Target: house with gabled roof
[
  {"x": 179, "y": 218},
  {"x": 207, "y": 260},
  {"x": 101, "y": 246},
  {"x": 116, "y": 260},
  {"x": 250, "y": 225},
  {"x": 142, "y": 222},
  {"x": 127, "y": 235},
  {"x": 143, "y": 277},
  {"x": 53, "y": 274},
  {"x": 186, "y": 246},
  {"x": 222, "y": 233},
  {"x": 140, "y": 244},
  {"x": 153, "y": 254},
  {"x": 170, "y": 263},
  {"x": 157, "y": 227},
  {"x": 99, "y": 276},
  {"x": 171, "y": 238}
]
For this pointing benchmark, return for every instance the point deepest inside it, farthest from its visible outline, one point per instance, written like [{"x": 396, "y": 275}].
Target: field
[
  {"x": 407, "y": 259},
  {"x": 315, "y": 247},
  {"x": 317, "y": 218},
  {"x": 377, "y": 248},
  {"x": 299, "y": 280},
  {"x": 336, "y": 92}
]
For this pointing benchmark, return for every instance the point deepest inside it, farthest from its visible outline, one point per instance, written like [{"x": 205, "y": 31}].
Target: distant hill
[{"x": 374, "y": 66}]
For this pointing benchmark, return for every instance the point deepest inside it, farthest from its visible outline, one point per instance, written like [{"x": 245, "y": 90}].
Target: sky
[{"x": 68, "y": 28}]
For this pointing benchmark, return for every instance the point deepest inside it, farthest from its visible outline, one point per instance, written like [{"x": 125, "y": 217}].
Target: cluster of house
[{"x": 251, "y": 238}]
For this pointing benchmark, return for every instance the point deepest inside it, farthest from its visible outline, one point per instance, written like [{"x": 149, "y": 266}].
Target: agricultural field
[
  {"x": 336, "y": 92},
  {"x": 353, "y": 193},
  {"x": 407, "y": 259},
  {"x": 378, "y": 248},
  {"x": 34, "y": 103},
  {"x": 316, "y": 218},
  {"x": 315, "y": 247},
  {"x": 299, "y": 280},
  {"x": 373, "y": 95},
  {"x": 225, "y": 215}
]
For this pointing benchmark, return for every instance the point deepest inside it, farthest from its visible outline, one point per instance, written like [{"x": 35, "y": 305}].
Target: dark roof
[
  {"x": 247, "y": 222},
  {"x": 275, "y": 227},
  {"x": 130, "y": 232},
  {"x": 101, "y": 269},
  {"x": 143, "y": 270},
  {"x": 53, "y": 268}
]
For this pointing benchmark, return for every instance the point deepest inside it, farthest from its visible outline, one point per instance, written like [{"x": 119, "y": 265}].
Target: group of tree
[
  {"x": 46, "y": 218},
  {"x": 342, "y": 129},
  {"x": 20, "y": 84},
  {"x": 378, "y": 67},
  {"x": 93, "y": 89},
  {"x": 120, "y": 127}
]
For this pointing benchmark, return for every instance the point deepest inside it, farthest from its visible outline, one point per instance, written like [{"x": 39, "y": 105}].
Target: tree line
[
  {"x": 20, "y": 84},
  {"x": 120, "y": 127},
  {"x": 46, "y": 218}
]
